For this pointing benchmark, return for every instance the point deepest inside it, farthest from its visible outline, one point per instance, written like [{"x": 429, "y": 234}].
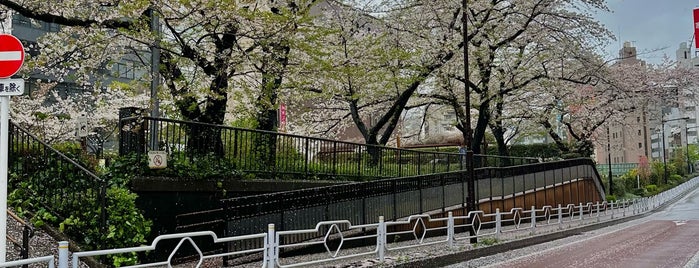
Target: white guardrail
[{"x": 336, "y": 234}]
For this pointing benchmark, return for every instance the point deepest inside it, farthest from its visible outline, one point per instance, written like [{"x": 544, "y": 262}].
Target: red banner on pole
[{"x": 696, "y": 28}]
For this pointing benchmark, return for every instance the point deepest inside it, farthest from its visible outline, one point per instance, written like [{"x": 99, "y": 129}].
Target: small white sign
[
  {"x": 81, "y": 127},
  {"x": 11, "y": 87},
  {"x": 157, "y": 159}
]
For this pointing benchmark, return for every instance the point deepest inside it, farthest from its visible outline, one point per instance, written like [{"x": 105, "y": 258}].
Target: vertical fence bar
[
  {"x": 394, "y": 183},
  {"x": 103, "y": 208},
  {"x": 24, "y": 253}
]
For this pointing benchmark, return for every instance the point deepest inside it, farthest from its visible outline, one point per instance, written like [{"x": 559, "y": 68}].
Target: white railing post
[
  {"x": 270, "y": 247},
  {"x": 597, "y": 211},
  {"x": 611, "y": 204},
  {"x": 498, "y": 223},
  {"x": 450, "y": 230},
  {"x": 63, "y": 254},
  {"x": 560, "y": 217},
  {"x": 533, "y": 225},
  {"x": 381, "y": 238},
  {"x": 581, "y": 212},
  {"x": 624, "y": 205}
]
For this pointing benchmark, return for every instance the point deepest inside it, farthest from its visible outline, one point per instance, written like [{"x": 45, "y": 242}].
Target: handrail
[{"x": 66, "y": 158}]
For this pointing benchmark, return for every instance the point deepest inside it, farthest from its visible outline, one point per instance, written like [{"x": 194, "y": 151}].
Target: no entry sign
[{"x": 11, "y": 55}]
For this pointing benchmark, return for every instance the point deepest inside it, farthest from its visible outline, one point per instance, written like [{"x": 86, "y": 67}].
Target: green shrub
[
  {"x": 675, "y": 179},
  {"x": 619, "y": 186},
  {"x": 652, "y": 189},
  {"x": 640, "y": 192}
]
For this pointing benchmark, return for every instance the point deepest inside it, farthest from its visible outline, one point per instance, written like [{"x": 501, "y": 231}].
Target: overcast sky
[{"x": 650, "y": 25}]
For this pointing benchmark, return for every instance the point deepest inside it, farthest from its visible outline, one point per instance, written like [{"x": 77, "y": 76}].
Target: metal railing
[
  {"x": 395, "y": 198},
  {"x": 293, "y": 156},
  {"x": 22, "y": 243},
  {"x": 617, "y": 169},
  {"x": 337, "y": 234},
  {"x": 47, "y": 179}
]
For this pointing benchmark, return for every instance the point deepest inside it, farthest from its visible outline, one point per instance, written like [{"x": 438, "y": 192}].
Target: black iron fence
[
  {"x": 47, "y": 182},
  {"x": 286, "y": 155},
  {"x": 364, "y": 202}
]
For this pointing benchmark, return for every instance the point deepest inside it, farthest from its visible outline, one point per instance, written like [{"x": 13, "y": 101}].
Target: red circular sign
[{"x": 11, "y": 55}]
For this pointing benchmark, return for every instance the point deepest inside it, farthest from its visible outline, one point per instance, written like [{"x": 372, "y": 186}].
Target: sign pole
[
  {"x": 11, "y": 60},
  {"x": 4, "y": 137}
]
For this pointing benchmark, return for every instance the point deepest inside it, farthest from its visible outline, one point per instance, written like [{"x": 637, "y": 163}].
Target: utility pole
[{"x": 155, "y": 79}]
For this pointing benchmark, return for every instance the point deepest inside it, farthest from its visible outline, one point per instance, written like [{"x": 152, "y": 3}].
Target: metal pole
[
  {"x": 63, "y": 254},
  {"x": 155, "y": 79},
  {"x": 4, "y": 155},
  {"x": 686, "y": 140},
  {"x": 609, "y": 160},
  {"x": 471, "y": 200},
  {"x": 664, "y": 154}
]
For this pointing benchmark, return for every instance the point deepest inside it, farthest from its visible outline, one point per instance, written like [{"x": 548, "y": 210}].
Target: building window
[
  {"x": 640, "y": 145},
  {"x": 21, "y": 20},
  {"x": 639, "y": 132},
  {"x": 638, "y": 119},
  {"x": 123, "y": 70},
  {"x": 51, "y": 27}
]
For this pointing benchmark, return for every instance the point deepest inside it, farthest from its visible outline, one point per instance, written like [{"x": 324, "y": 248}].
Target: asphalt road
[{"x": 667, "y": 238}]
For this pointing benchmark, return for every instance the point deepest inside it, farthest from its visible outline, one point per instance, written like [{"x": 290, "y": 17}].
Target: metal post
[
  {"x": 686, "y": 141},
  {"x": 4, "y": 155},
  {"x": 533, "y": 221},
  {"x": 381, "y": 238},
  {"x": 63, "y": 254},
  {"x": 498, "y": 223},
  {"x": 560, "y": 217},
  {"x": 471, "y": 198},
  {"x": 155, "y": 79},
  {"x": 450, "y": 230},
  {"x": 609, "y": 160},
  {"x": 664, "y": 154},
  {"x": 271, "y": 247},
  {"x": 612, "y": 204}
]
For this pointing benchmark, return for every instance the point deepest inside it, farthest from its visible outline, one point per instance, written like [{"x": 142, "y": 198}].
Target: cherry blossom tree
[
  {"x": 53, "y": 115},
  {"x": 207, "y": 49},
  {"x": 372, "y": 66}
]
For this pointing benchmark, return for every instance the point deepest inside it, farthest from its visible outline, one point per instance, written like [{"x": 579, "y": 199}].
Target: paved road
[{"x": 668, "y": 238}]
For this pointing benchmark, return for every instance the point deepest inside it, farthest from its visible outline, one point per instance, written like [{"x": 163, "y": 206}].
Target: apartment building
[{"x": 654, "y": 132}]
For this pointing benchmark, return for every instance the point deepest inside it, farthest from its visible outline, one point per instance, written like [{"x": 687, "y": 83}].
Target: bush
[
  {"x": 675, "y": 179},
  {"x": 640, "y": 192},
  {"x": 619, "y": 186},
  {"x": 79, "y": 213},
  {"x": 652, "y": 189}
]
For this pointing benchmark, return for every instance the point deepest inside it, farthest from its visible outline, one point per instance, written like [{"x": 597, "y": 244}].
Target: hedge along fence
[
  {"x": 200, "y": 146},
  {"x": 65, "y": 194}
]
